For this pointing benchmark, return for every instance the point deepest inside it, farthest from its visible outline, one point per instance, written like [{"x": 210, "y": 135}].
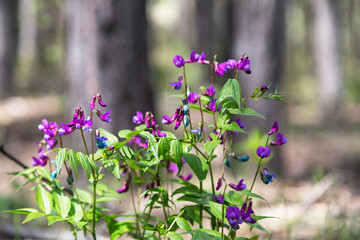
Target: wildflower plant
[{"x": 154, "y": 166}]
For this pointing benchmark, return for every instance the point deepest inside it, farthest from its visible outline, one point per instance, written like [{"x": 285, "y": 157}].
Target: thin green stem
[
  {"x": 212, "y": 178},
  {"x": 134, "y": 206},
  {"x": 172, "y": 224},
  {"x": 164, "y": 211},
  {"x": 202, "y": 120},
  {"x": 201, "y": 206},
  {"x": 83, "y": 138}
]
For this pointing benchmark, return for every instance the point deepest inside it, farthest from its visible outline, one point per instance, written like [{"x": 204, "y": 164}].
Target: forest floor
[{"x": 318, "y": 196}]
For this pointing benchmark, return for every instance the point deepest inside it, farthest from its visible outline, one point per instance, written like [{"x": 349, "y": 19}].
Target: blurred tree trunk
[
  {"x": 327, "y": 59},
  {"x": 107, "y": 52},
  {"x": 82, "y": 53},
  {"x": 123, "y": 63},
  {"x": 259, "y": 31},
  {"x": 8, "y": 45}
]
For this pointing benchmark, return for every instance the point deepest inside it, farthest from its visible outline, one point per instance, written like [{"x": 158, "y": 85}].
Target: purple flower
[
  {"x": 179, "y": 119},
  {"x": 100, "y": 101},
  {"x": 38, "y": 161},
  {"x": 220, "y": 68},
  {"x": 124, "y": 188},
  {"x": 263, "y": 152},
  {"x": 173, "y": 168},
  {"x": 210, "y": 91},
  {"x": 280, "y": 140},
  {"x": 104, "y": 117},
  {"x": 177, "y": 85},
  {"x": 64, "y": 130},
  {"x": 168, "y": 120},
  {"x": 92, "y": 102},
  {"x": 158, "y": 132},
  {"x": 137, "y": 140},
  {"x": 264, "y": 88},
  {"x": 219, "y": 199},
  {"x": 212, "y": 106},
  {"x": 246, "y": 212},
  {"x": 193, "y": 98},
  {"x": 178, "y": 61},
  {"x": 138, "y": 118},
  {"x": 233, "y": 215},
  {"x": 219, "y": 184},
  {"x": 244, "y": 64},
  {"x": 230, "y": 64},
  {"x": 265, "y": 177},
  {"x": 274, "y": 128},
  {"x": 195, "y": 57},
  {"x": 186, "y": 178},
  {"x": 241, "y": 186}
]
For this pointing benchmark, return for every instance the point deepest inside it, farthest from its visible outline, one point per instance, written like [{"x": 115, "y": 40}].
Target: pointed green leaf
[
  {"x": 176, "y": 150},
  {"x": 76, "y": 213},
  {"x": 62, "y": 204},
  {"x": 53, "y": 219},
  {"x": 44, "y": 173},
  {"x": 230, "y": 94},
  {"x": 197, "y": 164},
  {"x": 112, "y": 139},
  {"x": 231, "y": 127},
  {"x": 246, "y": 112},
  {"x": 124, "y": 132},
  {"x": 210, "y": 146},
  {"x": 33, "y": 216},
  {"x": 74, "y": 161},
  {"x": 84, "y": 161},
  {"x": 59, "y": 160},
  {"x": 84, "y": 196},
  {"x": 22, "y": 210},
  {"x": 183, "y": 224},
  {"x": 216, "y": 210},
  {"x": 113, "y": 166},
  {"x": 174, "y": 235},
  {"x": 233, "y": 198},
  {"x": 44, "y": 200}
]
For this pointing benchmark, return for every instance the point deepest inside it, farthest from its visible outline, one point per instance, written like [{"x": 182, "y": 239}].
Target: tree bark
[
  {"x": 327, "y": 59},
  {"x": 259, "y": 31},
  {"x": 8, "y": 45},
  {"x": 108, "y": 53}
]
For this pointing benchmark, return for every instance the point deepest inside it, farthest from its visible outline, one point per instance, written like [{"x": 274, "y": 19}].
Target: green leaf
[
  {"x": 116, "y": 229},
  {"x": 84, "y": 161},
  {"x": 210, "y": 146},
  {"x": 176, "y": 150},
  {"x": 54, "y": 218},
  {"x": 212, "y": 233},
  {"x": 183, "y": 224},
  {"x": 84, "y": 196},
  {"x": 76, "y": 213},
  {"x": 22, "y": 210},
  {"x": 164, "y": 147},
  {"x": 258, "y": 226},
  {"x": 231, "y": 127},
  {"x": 187, "y": 190},
  {"x": 33, "y": 216},
  {"x": 59, "y": 160},
  {"x": 112, "y": 139},
  {"x": 246, "y": 192},
  {"x": 62, "y": 204},
  {"x": 174, "y": 235},
  {"x": 123, "y": 133},
  {"x": 44, "y": 200},
  {"x": 197, "y": 107},
  {"x": 113, "y": 166},
  {"x": 197, "y": 164},
  {"x": 233, "y": 198},
  {"x": 216, "y": 210},
  {"x": 246, "y": 112},
  {"x": 230, "y": 94},
  {"x": 74, "y": 161},
  {"x": 44, "y": 173},
  {"x": 195, "y": 199},
  {"x": 262, "y": 217}
]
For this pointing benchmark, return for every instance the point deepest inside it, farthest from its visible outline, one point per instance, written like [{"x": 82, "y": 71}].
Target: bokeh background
[{"x": 54, "y": 55}]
